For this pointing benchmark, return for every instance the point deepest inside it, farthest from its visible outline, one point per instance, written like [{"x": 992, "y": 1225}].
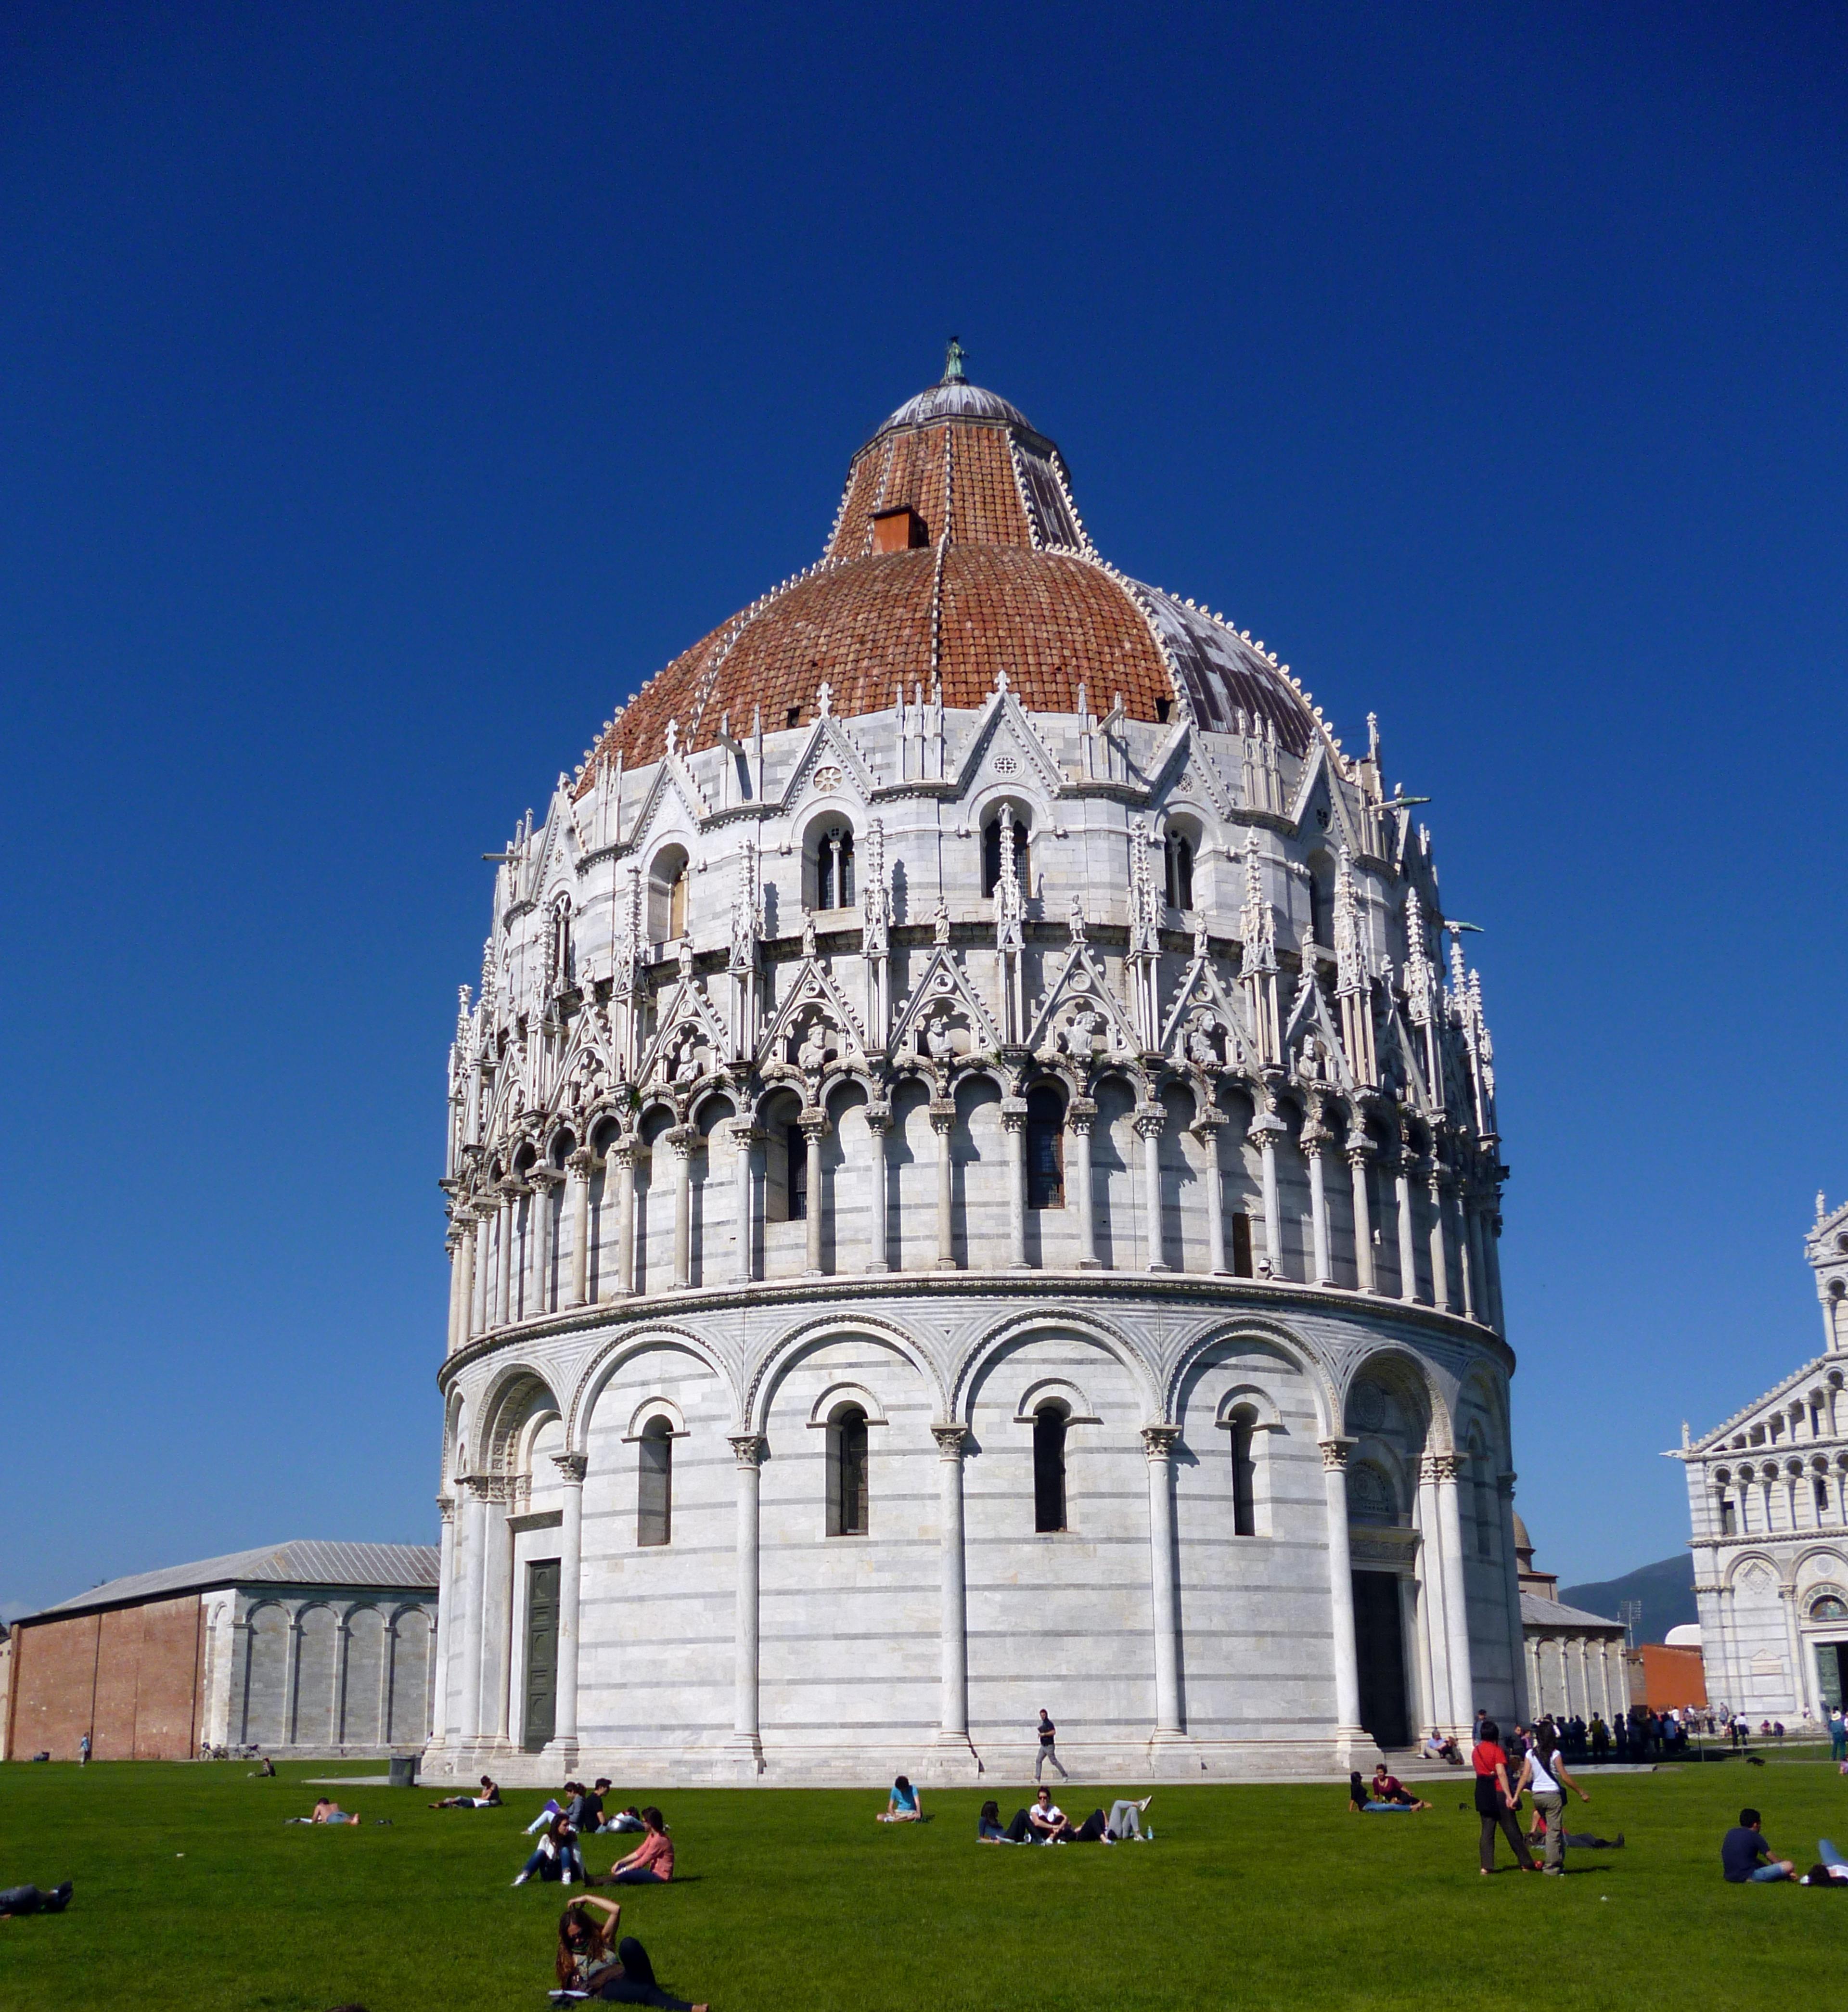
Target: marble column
[
  {"x": 746, "y": 1139},
  {"x": 497, "y": 1550},
  {"x": 1408, "y": 1254},
  {"x": 1584, "y": 1704},
  {"x": 1475, "y": 1284},
  {"x": 746, "y": 1744},
  {"x": 1466, "y": 1271},
  {"x": 1323, "y": 1270},
  {"x": 484, "y": 1232},
  {"x": 681, "y": 1139},
  {"x": 943, "y": 1117},
  {"x": 452, "y": 1245},
  {"x": 1511, "y": 1569},
  {"x": 580, "y": 1164},
  {"x": 1014, "y": 1130},
  {"x": 1440, "y": 1270},
  {"x": 952, "y": 1443},
  {"x": 1151, "y": 1119},
  {"x": 879, "y": 1123},
  {"x": 1348, "y": 1729},
  {"x": 471, "y": 1502},
  {"x": 542, "y": 1181},
  {"x": 562, "y": 1745},
  {"x": 814, "y": 1129},
  {"x": 1445, "y": 1469},
  {"x": 1799, "y": 1683},
  {"x": 1265, "y": 1131},
  {"x": 1357, "y": 1158},
  {"x": 1079, "y": 1113},
  {"x": 1209, "y": 1128},
  {"x": 622, "y": 1155},
  {"x": 448, "y": 1594},
  {"x": 511, "y": 1191},
  {"x": 1158, "y": 1445}
]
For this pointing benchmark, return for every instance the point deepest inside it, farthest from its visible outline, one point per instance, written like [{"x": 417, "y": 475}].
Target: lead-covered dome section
[{"x": 958, "y": 554}]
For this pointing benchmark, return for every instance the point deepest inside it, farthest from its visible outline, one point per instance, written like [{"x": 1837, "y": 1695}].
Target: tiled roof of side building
[
  {"x": 396, "y": 1567},
  {"x": 1538, "y": 1613}
]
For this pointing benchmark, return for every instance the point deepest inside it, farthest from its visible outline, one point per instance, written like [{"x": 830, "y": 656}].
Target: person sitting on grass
[
  {"x": 1360, "y": 1800},
  {"x": 31, "y": 1900},
  {"x": 1745, "y": 1857},
  {"x": 1386, "y": 1787},
  {"x": 264, "y": 1771},
  {"x": 988, "y": 1826},
  {"x": 556, "y": 1855},
  {"x": 489, "y": 1799},
  {"x": 651, "y": 1863},
  {"x": 588, "y": 1967},
  {"x": 586, "y": 1811},
  {"x": 1049, "y": 1823},
  {"x": 628, "y": 1819},
  {"x": 547, "y": 1816},
  {"x": 904, "y": 1805}
]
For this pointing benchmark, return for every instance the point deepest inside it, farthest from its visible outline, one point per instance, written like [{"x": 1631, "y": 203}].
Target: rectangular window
[
  {"x": 1244, "y": 1479},
  {"x": 1241, "y": 1246},
  {"x": 1729, "y": 1518},
  {"x": 795, "y": 1148},
  {"x": 654, "y": 1518}
]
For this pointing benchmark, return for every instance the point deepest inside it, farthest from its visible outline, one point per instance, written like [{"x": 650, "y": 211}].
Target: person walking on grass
[
  {"x": 1544, "y": 1772},
  {"x": 1048, "y": 1748},
  {"x": 1495, "y": 1798}
]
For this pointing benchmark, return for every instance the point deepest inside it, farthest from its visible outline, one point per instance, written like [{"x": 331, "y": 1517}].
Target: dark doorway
[
  {"x": 1832, "y": 1672},
  {"x": 1379, "y": 1643},
  {"x": 542, "y": 1654}
]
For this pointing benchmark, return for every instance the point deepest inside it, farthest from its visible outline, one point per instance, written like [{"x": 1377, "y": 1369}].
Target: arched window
[
  {"x": 834, "y": 867},
  {"x": 1045, "y": 1148},
  {"x": 1729, "y": 1518},
  {"x": 846, "y": 1472},
  {"x": 1321, "y": 899},
  {"x": 667, "y": 895},
  {"x": 1821, "y": 1488},
  {"x": 654, "y": 1484},
  {"x": 1049, "y": 1467},
  {"x": 1244, "y": 1474},
  {"x": 991, "y": 852},
  {"x": 795, "y": 1157},
  {"x": 1180, "y": 870}
]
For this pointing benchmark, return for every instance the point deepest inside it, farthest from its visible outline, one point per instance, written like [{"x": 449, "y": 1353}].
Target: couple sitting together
[
  {"x": 584, "y": 1808},
  {"x": 557, "y": 1856},
  {"x": 1046, "y": 1823},
  {"x": 1385, "y": 1792}
]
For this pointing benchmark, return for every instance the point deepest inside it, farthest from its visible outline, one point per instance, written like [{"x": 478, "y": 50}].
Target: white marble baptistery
[{"x": 970, "y": 1188}]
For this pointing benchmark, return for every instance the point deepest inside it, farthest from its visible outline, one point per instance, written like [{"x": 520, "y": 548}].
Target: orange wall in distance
[
  {"x": 129, "y": 1676},
  {"x": 1660, "y": 1676}
]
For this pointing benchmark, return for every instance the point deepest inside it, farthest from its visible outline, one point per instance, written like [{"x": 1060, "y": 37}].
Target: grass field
[{"x": 191, "y": 1892}]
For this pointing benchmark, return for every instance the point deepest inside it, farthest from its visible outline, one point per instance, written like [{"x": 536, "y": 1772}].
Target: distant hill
[{"x": 1666, "y": 1591}]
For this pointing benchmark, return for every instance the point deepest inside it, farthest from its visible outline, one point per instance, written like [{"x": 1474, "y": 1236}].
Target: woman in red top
[
  {"x": 1495, "y": 1799},
  {"x": 651, "y": 1863}
]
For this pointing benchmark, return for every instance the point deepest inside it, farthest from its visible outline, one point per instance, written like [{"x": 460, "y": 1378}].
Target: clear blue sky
[{"x": 386, "y": 391}]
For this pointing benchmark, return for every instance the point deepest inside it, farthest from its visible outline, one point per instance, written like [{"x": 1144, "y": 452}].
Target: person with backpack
[{"x": 1544, "y": 1772}]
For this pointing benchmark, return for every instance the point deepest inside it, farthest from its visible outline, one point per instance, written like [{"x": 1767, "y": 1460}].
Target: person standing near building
[
  {"x": 1544, "y": 1772},
  {"x": 1495, "y": 1799},
  {"x": 1048, "y": 1747},
  {"x": 1838, "y": 1734},
  {"x": 83, "y": 1751}
]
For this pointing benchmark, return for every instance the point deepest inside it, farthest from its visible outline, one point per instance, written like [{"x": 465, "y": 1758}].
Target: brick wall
[{"x": 128, "y": 1675}]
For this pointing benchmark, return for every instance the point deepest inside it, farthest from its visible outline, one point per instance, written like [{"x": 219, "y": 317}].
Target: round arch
[
  {"x": 1297, "y": 1352},
  {"x": 610, "y": 1358},
  {"x": 1025, "y": 1327},
  {"x": 790, "y": 1347}
]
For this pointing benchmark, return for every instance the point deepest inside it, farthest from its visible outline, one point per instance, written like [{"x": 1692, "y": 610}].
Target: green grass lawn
[{"x": 190, "y": 1892}]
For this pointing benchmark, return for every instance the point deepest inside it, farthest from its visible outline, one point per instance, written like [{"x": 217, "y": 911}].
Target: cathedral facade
[
  {"x": 971, "y": 1186},
  {"x": 1768, "y": 1494}
]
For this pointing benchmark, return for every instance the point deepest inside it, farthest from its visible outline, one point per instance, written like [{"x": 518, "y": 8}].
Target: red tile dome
[{"x": 989, "y": 569}]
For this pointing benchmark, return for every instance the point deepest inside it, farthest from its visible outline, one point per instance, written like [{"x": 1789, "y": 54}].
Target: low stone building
[
  {"x": 1768, "y": 1495},
  {"x": 1575, "y": 1662},
  {"x": 300, "y": 1648}
]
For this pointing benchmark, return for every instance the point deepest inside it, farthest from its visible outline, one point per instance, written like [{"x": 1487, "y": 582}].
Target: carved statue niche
[
  {"x": 1205, "y": 1043},
  {"x": 679, "y": 1062},
  {"x": 1309, "y": 1060},
  {"x": 1080, "y": 1033},
  {"x": 816, "y": 1045}
]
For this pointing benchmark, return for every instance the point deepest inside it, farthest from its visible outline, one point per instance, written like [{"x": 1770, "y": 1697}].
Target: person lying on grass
[
  {"x": 628, "y": 1819},
  {"x": 327, "y": 1812},
  {"x": 489, "y": 1799},
  {"x": 904, "y": 1805},
  {"x": 588, "y": 1967},
  {"x": 651, "y": 1863},
  {"x": 31, "y": 1900}
]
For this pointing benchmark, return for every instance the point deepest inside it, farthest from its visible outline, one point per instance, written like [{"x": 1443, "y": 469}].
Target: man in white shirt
[{"x": 1544, "y": 1773}]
